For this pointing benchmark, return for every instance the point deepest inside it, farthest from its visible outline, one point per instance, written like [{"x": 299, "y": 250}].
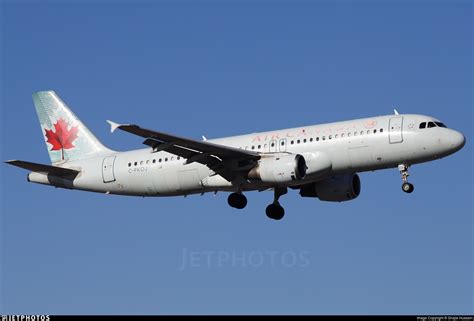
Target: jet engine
[
  {"x": 279, "y": 169},
  {"x": 335, "y": 189}
]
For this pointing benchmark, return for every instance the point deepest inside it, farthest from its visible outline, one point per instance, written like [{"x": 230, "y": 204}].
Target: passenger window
[
  {"x": 304, "y": 140},
  {"x": 129, "y": 164},
  {"x": 179, "y": 158},
  {"x": 298, "y": 141},
  {"x": 166, "y": 159},
  {"x": 431, "y": 124},
  {"x": 147, "y": 161},
  {"x": 362, "y": 132},
  {"x": 273, "y": 145},
  {"x": 253, "y": 147},
  {"x": 292, "y": 142},
  {"x": 348, "y": 134},
  {"x": 324, "y": 137},
  {"x": 311, "y": 139},
  {"x": 159, "y": 160},
  {"x": 355, "y": 133},
  {"x": 375, "y": 131},
  {"x": 381, "y": 130},
  {"x": 342, "y": 135},
  {"x": 368, "y": 132},
  {"x": 282, "y": 143},
  {"x": 154, "y": 161},
  {"x": 335, "y": 136},
  {"x": 317, "y": 139},
  {"x": 141, "y": 162},
  {"x": 423, "y": 125},
  {"x": 135, "y": 163},
  {"x": 330, "y": 137}
]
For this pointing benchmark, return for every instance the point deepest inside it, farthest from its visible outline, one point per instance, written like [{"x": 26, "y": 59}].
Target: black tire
[
  {"x": 242, "y": 201},
  {"x": 408, "y": 187},
  {"x": 275, "y": 212},
  {"x": 237, "y": 200}
]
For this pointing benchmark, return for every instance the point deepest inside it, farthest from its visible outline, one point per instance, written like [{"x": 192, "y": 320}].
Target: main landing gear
[
  {"x": 237, "y": 200},
  {"x": 406, "y": 187},
  {"x": 275, "y": 211}
]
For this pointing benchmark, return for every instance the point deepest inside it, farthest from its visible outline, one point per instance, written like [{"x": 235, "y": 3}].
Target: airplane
[{"x": 321, "y": 161}]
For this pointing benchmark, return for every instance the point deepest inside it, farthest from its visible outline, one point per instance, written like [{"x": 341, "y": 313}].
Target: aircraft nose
[{"x": 457, "y": 140}]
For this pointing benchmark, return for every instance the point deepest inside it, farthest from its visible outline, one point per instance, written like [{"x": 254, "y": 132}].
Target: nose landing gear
[
  {"x": 406, "y": 187},
  {"x": 275, "y": 211}
]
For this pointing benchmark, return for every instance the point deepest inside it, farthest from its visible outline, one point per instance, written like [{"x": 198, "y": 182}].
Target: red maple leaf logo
[{"x": 62, "y": 137}]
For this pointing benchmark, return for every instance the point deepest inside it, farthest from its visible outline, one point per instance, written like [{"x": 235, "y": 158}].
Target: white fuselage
[{"x": 347, "y": 147}]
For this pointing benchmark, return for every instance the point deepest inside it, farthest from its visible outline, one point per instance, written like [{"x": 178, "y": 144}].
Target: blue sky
[{"x": 219, "y": 69}]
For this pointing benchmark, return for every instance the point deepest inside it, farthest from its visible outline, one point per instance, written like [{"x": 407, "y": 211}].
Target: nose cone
[{"x": 456, "y": 141}]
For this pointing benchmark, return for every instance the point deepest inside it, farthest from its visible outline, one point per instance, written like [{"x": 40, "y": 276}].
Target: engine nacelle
[
  {"x": 318, "y": 164},
  {"x": 335, "y": 189},
  {"x": 279, "y": 169}
]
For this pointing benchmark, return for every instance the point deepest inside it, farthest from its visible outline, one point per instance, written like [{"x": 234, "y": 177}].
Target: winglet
[
  {"x": 204, "y": 138},
  {"x": 396, "y": 112},
  {"x": 113, "y": 126}
]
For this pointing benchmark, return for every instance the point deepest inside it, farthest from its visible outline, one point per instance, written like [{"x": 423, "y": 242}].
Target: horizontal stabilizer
[{"x": 45, "y": 169}]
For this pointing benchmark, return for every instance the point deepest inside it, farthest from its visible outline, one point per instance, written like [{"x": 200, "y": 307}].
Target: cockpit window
[
  {"x": 423, "y": 125},
  {"x": 431, "y": 124},
  {"x": 440, "y": 124}
]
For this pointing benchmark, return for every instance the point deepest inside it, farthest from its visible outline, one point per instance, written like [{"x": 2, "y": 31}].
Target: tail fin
[{"x": 65, "y": 135}]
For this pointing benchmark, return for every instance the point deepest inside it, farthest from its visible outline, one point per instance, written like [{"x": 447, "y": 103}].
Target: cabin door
[{"x": 395, "y": 130}]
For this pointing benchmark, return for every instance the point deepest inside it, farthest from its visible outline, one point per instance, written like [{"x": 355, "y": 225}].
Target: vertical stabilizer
[{"x": 66, "y": 137}]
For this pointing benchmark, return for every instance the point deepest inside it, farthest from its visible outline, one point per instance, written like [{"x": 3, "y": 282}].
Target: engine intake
[{"x": 279, "y": 169}]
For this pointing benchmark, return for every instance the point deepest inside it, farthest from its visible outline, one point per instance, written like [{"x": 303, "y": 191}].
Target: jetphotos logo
[
  {"x": 277, "y": 259},
  {"x": 61, "y": 137},
  {"x": 20, "y": 317}
]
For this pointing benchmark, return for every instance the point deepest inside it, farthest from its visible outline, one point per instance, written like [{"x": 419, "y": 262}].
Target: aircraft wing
[{"x": 217, "y": 157}]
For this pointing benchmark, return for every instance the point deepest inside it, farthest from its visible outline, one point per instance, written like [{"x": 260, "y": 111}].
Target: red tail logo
[{"x": 62, "y": 138}]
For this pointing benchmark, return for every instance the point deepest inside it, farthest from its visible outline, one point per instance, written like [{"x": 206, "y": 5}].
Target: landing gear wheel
[
  {"x": 237, "y": 200},
  {"x": 408, "y": 187},
  {"x": 275, "y": 211}
]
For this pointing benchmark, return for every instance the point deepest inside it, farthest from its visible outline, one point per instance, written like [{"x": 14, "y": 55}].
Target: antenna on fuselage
[{"x": 396, "y": 112}]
